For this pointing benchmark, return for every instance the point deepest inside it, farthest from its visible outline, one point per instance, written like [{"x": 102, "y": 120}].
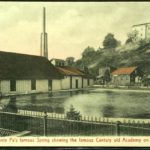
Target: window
[
  {"x": 33, "y": 84},
  {"x": 13, "y": 85}
]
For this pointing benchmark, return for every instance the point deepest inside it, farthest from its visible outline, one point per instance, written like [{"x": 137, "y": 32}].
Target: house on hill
[
  {"x": 74, "y": 78},
  {"x": 127, "y": 76},
  {"x": 20, "y": 73},
  {"x": 142, "y": 30}
]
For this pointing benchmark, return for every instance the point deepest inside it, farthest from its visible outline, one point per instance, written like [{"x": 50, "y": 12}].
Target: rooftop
[
  {"x": 22, "y": 66},
  {"x": 127, "y": 70},
  {"x": 57, "y": 59},
  {"x": 67, "y": 70},
  {"x": 141, "y": 24}
]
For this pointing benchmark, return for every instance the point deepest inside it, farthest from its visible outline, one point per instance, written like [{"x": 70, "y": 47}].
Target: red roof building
[
  {"x": 128, "y": 70},
  {"x": 127, "y": 76}
]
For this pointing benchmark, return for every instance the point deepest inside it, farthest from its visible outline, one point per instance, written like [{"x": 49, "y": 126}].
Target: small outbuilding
[
  {"x": 73, "y": 78},
  {"x": 127, "y": 76}
]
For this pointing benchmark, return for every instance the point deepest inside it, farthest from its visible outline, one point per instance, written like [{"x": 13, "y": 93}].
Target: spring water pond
[{"x": 93, "y": 102}]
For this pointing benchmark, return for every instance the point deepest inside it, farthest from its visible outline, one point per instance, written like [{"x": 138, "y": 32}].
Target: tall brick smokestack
[{"x": 44, "y": 37}]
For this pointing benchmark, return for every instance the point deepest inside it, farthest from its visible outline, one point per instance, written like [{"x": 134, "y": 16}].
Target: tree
[
  {"x": 86, "y": 70},
  {"x": 78, "y": 64},
  {"x": 99, "y": 49},
  {"x": 88, "y": 52},
  {"x": 132, "y": 36},
  {"x": 72, "y": 114},
  {"x": 129, "y": 40},
  {"x": 110, "y": 41},
  {"x": 11, "y": 106},
  {"x": 70, "y": 61},
  {"x": 142, "y": 42},
  {"x": 107, "y": 77}
]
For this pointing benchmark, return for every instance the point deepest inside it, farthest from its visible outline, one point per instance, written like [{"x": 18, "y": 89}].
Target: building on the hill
[
  {"x": 127, "y": 76},
  {"x": 20, "y": 73},
  {"x": 74, "y": 78},
  {"x": 143, "y": 31}
]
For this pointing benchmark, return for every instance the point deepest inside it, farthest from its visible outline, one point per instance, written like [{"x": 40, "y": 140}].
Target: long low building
[
  {"x": 74, "y": 78},
  {"x": 20, "y": 73}
]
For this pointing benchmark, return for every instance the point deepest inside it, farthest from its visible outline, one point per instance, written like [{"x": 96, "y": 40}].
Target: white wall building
[
  {"x": 143, "y": 31},
  {"x": 74, "y": 78},
  {"x": 21, "y": 73}
]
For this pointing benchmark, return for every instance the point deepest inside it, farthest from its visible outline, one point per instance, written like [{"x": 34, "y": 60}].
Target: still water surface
[{"x": 95, "y": 102}]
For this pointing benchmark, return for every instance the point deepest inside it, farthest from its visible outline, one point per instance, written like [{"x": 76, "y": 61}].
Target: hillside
[{"x": 127, "y": 55}]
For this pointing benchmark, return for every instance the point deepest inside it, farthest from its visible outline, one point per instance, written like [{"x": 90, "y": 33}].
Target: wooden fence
[{"x": 39, "y": 123}]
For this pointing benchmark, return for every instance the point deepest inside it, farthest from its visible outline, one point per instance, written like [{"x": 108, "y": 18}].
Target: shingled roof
[
  {"x": 127, "y": 70},
  {"x": 21, "y": 66},
  {"x": 71, "y": 71}
]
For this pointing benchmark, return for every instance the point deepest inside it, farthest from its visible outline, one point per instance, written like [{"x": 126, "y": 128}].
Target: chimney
[{"x": 44, "y": 36}]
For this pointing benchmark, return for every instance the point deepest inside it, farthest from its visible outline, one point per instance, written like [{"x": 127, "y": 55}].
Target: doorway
[
  {"x": 12, "y": 85},
  {"x": 76, "y": 83},
  {"x": 49, "y": 85}
]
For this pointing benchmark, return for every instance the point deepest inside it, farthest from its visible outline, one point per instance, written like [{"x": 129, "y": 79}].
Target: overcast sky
[{"x": 71, "y": 26}]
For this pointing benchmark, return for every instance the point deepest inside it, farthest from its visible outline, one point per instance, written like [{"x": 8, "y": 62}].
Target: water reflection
[
  {"x": 11, "y": 106},
  {"x": 59, "y": 110},
  {"x": 50, "y": 94},
  {"x": 89, "y": 103},
  {"x": 71, "y": 93},
  {"x": 33, "y": 99},
  {"x": 108, "y": 111}
]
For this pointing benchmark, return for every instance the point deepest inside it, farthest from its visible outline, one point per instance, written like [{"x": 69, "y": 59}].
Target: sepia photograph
[{"x": 75, "y": 72}]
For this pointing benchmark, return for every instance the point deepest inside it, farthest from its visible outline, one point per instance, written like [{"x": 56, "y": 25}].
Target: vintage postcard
[{"x": 74, "y": 74}]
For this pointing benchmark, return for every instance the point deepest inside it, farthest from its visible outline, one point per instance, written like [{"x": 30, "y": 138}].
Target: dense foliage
[
  {"x": 110, "y": 41},
  {"x": 115, "y": 55}
]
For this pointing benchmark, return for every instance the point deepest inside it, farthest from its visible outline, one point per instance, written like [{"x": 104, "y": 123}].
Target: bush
[{"x": 72, "y": 114}]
